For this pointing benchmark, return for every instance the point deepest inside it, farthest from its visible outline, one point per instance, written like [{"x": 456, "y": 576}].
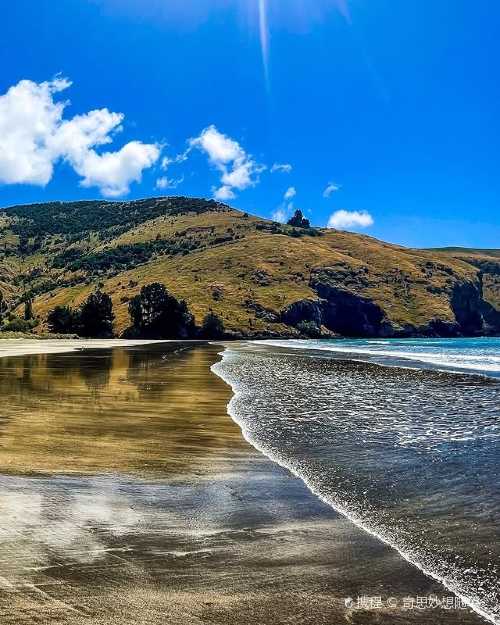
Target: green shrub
[
  {"x": 19, "y": 325},
  {"x": 96, "y": 316},
  {"x": 212, "y": 327},
  {"x": 93, "y": 320},
  {"x": 156, "y": 313},
  {"x": 63, "y": 320}
]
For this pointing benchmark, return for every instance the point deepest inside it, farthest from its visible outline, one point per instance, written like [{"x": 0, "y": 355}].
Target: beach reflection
[
  {"x": 114, "y": 466},
  {"x": 127, "y": 495},
  {"x": 146, "y": 410}
]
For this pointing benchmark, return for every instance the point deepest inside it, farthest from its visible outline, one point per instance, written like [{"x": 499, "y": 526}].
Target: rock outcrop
[{"x": 345, "y": 313}]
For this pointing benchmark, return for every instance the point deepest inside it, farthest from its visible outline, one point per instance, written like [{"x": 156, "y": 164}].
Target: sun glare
[
  {"x": 302, "y": 10},
  {"x": 264, "y": 38}
]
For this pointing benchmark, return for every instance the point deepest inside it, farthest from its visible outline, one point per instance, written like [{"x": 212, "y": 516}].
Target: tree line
[{"x": 154, "y": 314}]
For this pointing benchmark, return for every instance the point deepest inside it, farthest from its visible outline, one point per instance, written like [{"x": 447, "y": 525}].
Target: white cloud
[
  {"x": 280, "y": 215},
  {"x": 34, "y": 136},
  {"x": 284, "y": 168},
  {"x": 283, "y": 212},
  {"x": 241, "y": 175},
  {"x": 220, "y": 149},
  {"x": 223, "y": 193},
  {"x": 28, "y": 117},
  {"x": 285, "y": 209},
  {"x": 164, "y": 182},
  {"x": 330, "y": 189},
  {"x": 343, "y": 219},
  {"x": 113, "y": 172},
  {"x": 238, "y": 170},
  {"x": 166, "y": 161}
]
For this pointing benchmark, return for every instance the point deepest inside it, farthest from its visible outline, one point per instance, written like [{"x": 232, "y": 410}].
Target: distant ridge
[{"x": 467, "y": 250}]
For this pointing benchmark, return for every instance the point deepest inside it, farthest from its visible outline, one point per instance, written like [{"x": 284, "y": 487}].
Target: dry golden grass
[{"x": 273, "y": 270}]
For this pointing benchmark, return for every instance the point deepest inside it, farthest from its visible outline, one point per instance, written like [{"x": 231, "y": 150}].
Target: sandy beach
[
  {"x": 26, "y": 347},
  {"x": 128, "y": 495}
]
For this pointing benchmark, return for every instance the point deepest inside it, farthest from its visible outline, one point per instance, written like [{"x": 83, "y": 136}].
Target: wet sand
[{"x": 127, "y": 495}]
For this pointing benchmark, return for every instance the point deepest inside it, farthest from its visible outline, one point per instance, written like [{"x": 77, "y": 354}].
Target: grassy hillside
[{"x": 261, "y": 277}]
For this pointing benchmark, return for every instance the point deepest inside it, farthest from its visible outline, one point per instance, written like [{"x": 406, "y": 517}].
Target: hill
[
  {"x": 466, "y": 251},
  {"x": 261, "y": 277}
]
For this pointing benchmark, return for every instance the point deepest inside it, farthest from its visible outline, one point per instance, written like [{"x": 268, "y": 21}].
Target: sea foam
[{"x": 401, "y": 455}]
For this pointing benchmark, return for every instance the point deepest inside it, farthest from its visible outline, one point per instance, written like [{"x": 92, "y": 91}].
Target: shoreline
[
  {"x": 31, "y": 347},
  {"x": 213, "y": 531},
  {"x": 335, "y": 506}
]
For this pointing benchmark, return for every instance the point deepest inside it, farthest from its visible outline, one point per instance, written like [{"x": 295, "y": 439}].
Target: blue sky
[{"x": 394, "y": 104}]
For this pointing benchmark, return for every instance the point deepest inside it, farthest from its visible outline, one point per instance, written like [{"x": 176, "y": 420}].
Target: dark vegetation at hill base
[
  {"x": 182, "y": 267},
  {"x": 154, "y": 314}
]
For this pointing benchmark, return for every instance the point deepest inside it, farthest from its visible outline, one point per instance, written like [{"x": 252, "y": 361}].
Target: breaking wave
[{"x": 410, "y": 456}]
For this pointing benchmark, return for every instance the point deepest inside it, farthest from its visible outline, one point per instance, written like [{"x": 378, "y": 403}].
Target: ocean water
[
  {"x": 410, "y": 451},
  {"x": 467, "y": 355}
]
